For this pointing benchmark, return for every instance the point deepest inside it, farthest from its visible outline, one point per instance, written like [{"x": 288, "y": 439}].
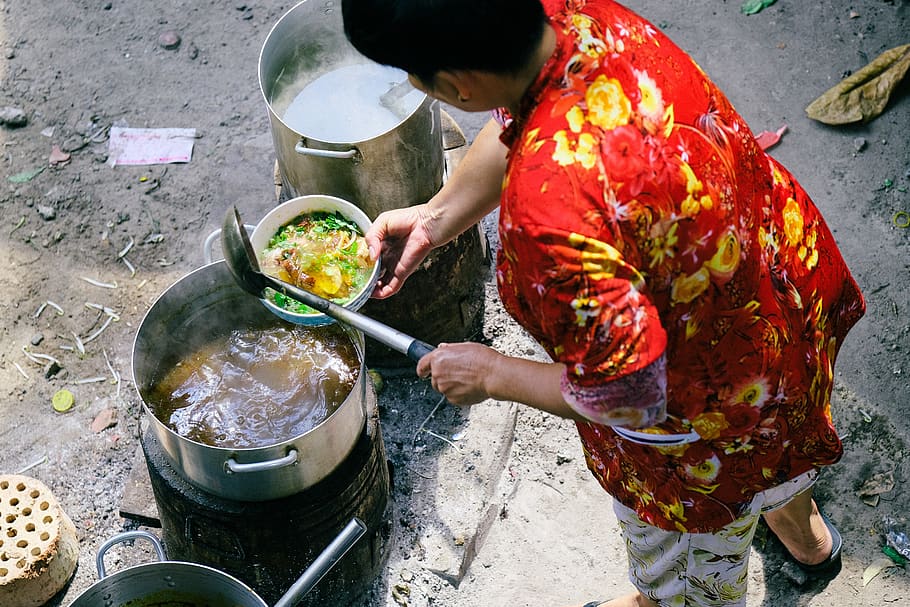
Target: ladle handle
[
  {"x": 384, "y": 334},
  {"x": 418, "y": 349},
  {"x": 325, "y": 561}
]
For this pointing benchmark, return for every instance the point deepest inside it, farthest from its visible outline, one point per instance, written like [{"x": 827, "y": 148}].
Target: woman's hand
[
  {"x": 402, "y": 239},
  {"x": 458, "y": 371},
  {"x": 468, "y": 373}
]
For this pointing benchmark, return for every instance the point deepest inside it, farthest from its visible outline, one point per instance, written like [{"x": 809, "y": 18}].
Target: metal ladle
[{"x": 244, "y": 266}]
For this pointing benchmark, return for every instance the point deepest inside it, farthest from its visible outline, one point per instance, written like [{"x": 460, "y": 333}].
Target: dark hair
[{"x": 423, "y": 37}]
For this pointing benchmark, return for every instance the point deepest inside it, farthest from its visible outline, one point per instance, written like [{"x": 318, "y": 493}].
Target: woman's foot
[{"x": 808, "y": 536}]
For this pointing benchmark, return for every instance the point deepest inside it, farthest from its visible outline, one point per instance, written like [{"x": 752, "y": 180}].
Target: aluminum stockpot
[
  {"x": 163, "y": 583},
  {"x": 400, "y": 167},
  {"x": 201, "y": 306}
]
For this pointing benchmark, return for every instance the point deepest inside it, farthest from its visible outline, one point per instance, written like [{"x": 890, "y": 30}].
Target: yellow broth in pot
[{"x": 257, "y": 387}]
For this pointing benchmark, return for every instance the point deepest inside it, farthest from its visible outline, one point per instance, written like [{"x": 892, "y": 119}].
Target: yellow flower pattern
[{"x": 640, "y": 222}]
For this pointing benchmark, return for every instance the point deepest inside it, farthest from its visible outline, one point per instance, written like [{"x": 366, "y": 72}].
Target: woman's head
[{"x": 423, "y": 37}]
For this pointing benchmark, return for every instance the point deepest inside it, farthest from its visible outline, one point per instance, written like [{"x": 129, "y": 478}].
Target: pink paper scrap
[{"x": 150, "y": 146}]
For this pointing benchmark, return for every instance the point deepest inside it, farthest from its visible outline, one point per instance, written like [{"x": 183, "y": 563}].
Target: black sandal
[
  {"x": 829, "y": 567},
  {"x": 593, "y": 603}
]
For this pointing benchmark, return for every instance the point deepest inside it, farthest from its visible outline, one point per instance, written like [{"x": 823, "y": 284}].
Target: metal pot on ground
[
  {"x": 396, "y": 168},
  {"x": 173, "y": 582},
  {"x": 202, "y": 305}
]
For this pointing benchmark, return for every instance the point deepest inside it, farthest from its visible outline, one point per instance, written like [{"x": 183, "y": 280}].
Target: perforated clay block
[{"x": 38, "y": 545}]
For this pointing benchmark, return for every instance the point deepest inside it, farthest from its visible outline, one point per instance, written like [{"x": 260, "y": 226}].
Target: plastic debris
[
  {"x": 25, "y": 175},
  {"x": 863, "y": 95},
  {"x": 751, "y": 7},
  {"x": 896, "y": 536},
  {"x": 892, "y": 554},
  {"x": 767, "y": 139}
]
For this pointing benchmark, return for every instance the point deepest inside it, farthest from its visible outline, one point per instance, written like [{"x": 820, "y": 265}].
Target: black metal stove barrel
[{"x": 268, "y": 544}]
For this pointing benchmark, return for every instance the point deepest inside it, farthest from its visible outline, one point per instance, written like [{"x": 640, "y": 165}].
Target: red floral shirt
[{"x": 649, "y": 244}]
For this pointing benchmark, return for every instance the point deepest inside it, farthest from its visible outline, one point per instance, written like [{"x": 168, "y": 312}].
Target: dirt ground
[{"x": 503, "y": 488}]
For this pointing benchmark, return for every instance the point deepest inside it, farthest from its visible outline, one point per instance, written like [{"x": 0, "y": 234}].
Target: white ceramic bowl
[{"x": 287, "y": 211}]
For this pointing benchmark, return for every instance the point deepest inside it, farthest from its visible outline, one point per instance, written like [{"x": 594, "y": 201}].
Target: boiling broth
[
  {"x": 258, "y": 387},
  {"x": 344, "y": 105}
]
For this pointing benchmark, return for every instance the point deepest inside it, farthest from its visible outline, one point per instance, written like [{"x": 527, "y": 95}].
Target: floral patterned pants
[{"x": 699, "y": 569}]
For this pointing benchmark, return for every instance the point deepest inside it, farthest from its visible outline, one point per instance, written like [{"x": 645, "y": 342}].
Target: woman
[{"x": 689, "y": 293}]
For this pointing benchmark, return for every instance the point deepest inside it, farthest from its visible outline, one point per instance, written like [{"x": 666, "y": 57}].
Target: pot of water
[{"x": 341, "y": 124}]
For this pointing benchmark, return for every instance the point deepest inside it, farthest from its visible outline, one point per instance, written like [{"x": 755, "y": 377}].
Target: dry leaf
[
  {"x": 58, "y": 157},
  {"x": 875, "y": 486},
  {"x": 877, "y": 567},
  {"x": 751, "y": 7},
  {"x": 864, "y": 95}
]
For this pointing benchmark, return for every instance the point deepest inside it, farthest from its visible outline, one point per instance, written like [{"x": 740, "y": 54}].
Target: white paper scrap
[{"x": 150, "y": 146}]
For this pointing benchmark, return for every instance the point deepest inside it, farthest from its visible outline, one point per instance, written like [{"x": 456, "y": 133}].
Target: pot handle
[
  {"x": 120, "y": 538},
  {"x": 352, "y": 154},
  {"x": 207, "y": 256},
  {"x": 233, "y": 467}
]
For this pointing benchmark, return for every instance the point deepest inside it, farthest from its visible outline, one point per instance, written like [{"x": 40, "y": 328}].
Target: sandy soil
[{"x": 77, "y": 68}]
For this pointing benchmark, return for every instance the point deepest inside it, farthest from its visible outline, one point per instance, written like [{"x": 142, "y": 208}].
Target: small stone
[
  {"x": 859, "y": 144},
  {"x": 37, "y": 338},
  {"x": 52, "y": 369},
  {"x": 47, "y": 213},
  {"x": 58, "y": 157},
  {"x": 796, "y": 575},
  {"x": 105, "y": 419},
  {"x": 13, "y": 117},
  {"x": 169, "y": 40}
]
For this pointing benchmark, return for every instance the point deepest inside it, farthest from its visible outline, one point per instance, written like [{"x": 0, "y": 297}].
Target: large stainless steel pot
[
  {"x": 401, "y": 167},
  {"x": 205, "y": 304},
  {"x": 175, "y": 582}
]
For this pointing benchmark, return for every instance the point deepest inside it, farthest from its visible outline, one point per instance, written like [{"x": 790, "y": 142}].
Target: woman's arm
[
  {"x": 404, "y": 237},
  {"x": 473, "y": 190},
  {"x": 467, "y": 373}
]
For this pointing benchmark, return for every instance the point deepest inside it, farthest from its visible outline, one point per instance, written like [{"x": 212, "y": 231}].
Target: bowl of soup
[{"x": 317, "y": 243}]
